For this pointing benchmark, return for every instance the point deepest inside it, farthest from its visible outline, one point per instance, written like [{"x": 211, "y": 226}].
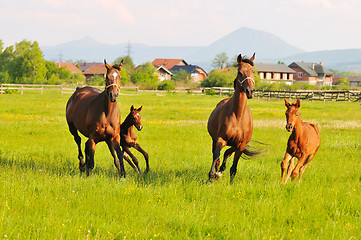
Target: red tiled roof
[
  {"x": 168, "y": 63},
  {"x": 71, "y": 67},
  {"x": 85, "y": 66},
  {"x": 96, "y": 69}
]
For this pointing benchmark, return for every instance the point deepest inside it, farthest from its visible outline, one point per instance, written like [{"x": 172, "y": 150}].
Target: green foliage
[
  {"x": 145, "y": 76},
  {"x": 220, "y": 60},
  {"x": 128, "y": 64},
  {"x": 166, "y": 85},
  {"x": 181, "y": 76},
  {"x": 218, "y": 78},
  {"x": 343, "y": 84},
  {"x": 24, "y": 63},
  {"x": 96, "y": 81}
]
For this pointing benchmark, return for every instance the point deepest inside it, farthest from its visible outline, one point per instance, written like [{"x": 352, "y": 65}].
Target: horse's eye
[{"x": 296, "y": 114}]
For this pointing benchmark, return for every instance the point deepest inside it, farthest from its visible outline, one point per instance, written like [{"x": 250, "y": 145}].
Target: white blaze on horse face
[{"x": 115, "y": 75}]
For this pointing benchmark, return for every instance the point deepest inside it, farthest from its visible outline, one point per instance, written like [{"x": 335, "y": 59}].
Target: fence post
[
  {"x": 42, "y": 89},
  {"x": 1, "y": 88},
  {"x": 137, "y": 90},
  {"x": 22, "y": 89}
]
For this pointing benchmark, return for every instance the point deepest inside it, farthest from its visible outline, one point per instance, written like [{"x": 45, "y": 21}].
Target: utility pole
[
  {"x": 60, "y": 56},
  {"x": 129, "y": 49}
]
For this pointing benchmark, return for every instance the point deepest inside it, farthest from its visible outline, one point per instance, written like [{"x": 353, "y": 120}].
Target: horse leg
[
  {"x": 114, "y": 155},
  {"x": 77, "y": 139},
  {"x": 233, "y": 169},
  {"x": 145, "y": 154},
  {"x": 284, "y": 164},
  {"x": 216, "y": 149},
  {"x": 135, "y": 160},
  {"x": 299, "y": 164},
  {"x": 304, "y": 166},
  {"x": 126, "y": 157},
  {"x": 226, "y": 155},
  {"x": 89, "y": 155},
  {"x": 116, "y": 146}
]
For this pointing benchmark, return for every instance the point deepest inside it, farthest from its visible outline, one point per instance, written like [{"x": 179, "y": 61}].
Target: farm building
[
  {"x": 170, "y": 66},
  {"x": 197, "y": 73},
  {"x": 311, "y": 73},
  {"x": 275, "y": 72},
  {"x": 163, "y": 73},
  {"x": 96, "y": 70},
  {"x": 69, "y": 66}
]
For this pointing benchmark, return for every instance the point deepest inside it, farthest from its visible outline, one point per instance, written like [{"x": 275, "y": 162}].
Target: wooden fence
[{"x": 312, "y": 95}]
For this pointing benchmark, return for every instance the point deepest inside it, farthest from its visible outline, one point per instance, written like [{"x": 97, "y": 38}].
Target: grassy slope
[{"x": 43, "y": 195}]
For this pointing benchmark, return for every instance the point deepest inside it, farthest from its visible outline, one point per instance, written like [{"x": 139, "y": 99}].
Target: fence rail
[{"x": 312, "y": 95}]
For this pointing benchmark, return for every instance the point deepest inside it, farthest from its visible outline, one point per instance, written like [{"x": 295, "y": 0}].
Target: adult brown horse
[
  {"x": 128, "y": 138},
  {"x": 302, "y": 144},
  {"x": 95, "y": 114},
  {"x": 230, "y": 123}
]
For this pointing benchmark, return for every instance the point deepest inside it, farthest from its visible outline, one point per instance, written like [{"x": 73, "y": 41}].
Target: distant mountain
[
  {"x": 344, "y": 60},
  {"x": 247, "y": 41},
  {"x": 268, "y": 48}
]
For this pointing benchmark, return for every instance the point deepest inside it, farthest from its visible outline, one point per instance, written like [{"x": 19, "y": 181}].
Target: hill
[{"x": 268, "y": 47}]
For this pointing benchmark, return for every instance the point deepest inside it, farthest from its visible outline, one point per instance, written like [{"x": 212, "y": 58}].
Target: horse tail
[{"x": 253, "y": 151}]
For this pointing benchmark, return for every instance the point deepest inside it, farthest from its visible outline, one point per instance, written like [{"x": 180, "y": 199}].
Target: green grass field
[{"x": 44, "y": 196}]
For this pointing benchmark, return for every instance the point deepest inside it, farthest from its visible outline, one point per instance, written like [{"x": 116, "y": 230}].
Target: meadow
[{"x": 44, "y": 196}]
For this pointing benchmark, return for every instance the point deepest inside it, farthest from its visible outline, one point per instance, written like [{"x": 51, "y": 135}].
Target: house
[
  {"x": 69, "y": 66},
  {"x": 197, "y": 74},
  {"x": 168, "y": 63},
  {"x": 355, "y": 81},
  {"x": 85, "y": 66},
  {"x": 163, "y": 73},
  {"x": 311, "y": 73},
  {"x": 96, "y": 70},
  {"x": 275, "y": 72}
]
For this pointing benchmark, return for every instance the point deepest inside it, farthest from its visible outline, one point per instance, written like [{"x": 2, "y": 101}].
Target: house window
[
  {"x": 194, "y": 75},
  {"x": 299, "y": 75}
]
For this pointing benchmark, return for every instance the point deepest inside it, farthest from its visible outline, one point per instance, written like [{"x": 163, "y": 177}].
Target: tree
[
  {"x": 28, "y": 64},
  {"x": 220, "y": 60},
  {"x": 181, "y": 76},
  {"x": 145, "y": 76},
  {"x": 218, "y": 78},
  {"x": 128, "y": 64}
]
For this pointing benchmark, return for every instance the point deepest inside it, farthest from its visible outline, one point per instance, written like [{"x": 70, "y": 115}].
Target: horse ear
[
  {"x": 140, "y": 109},
  {"x": 298, "y": 103},
  {"x": 239, "y": 59},
  {"x": 253, "y": 57},
  {"x": 132, "y": 108},
  {"x": 106, "y": 64},
  {"x": 286, "y": 103},
  {"x": 121, "y": 65}
]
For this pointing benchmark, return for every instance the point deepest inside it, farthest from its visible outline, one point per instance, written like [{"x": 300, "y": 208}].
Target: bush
[
  {"x": 211, "y": 92},
  {"x": 166, "y": 85},
  {"x": 96, "y": 81}
]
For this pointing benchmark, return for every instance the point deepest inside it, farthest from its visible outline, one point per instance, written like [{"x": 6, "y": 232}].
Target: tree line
[{"x": 24, "y": 63}]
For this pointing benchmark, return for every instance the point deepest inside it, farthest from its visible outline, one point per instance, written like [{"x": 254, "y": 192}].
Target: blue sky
[{"x": 308, "y": 24}]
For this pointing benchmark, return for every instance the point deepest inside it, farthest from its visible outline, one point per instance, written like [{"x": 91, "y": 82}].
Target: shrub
[{"x": 166, "y": 85}]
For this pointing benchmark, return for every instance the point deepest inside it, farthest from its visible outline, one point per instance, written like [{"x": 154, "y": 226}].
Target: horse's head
[
  {"x": 245, "y": 76},
  {"x": 292, "y": 114},
  {"x": 112, "y": 80},
  {"x": 135, "y": 117}
]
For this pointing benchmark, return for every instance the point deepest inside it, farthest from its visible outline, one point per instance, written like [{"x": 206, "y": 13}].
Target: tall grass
[{"x": 44, "y": 196}]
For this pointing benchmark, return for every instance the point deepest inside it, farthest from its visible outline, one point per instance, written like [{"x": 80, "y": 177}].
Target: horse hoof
[
  {"x": 218, "y": 175},
  {"x": 82, "y": 168}
]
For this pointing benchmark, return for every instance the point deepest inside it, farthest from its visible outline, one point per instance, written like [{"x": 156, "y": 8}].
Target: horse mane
[
  {"x": 116, "y": 66},
  {"x": 246, "y": 60}
]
